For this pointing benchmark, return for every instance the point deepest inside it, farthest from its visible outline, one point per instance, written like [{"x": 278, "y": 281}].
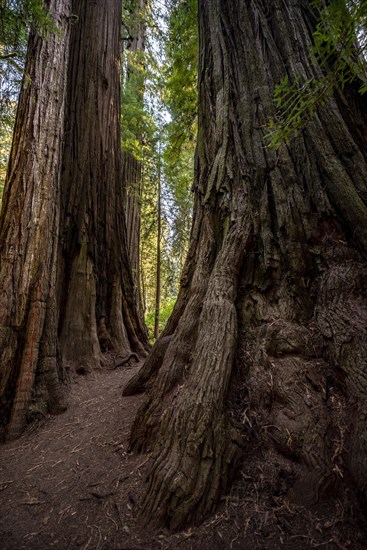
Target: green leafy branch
[{"x": 339, "y": 51}]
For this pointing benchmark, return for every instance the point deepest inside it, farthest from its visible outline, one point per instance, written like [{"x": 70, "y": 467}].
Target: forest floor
[{"x": 69, "y": 482}]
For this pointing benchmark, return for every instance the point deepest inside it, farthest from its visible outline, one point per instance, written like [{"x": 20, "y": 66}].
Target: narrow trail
[{"x": 69, "y": 482}]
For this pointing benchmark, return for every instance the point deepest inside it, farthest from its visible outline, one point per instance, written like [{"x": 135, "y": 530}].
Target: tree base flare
[{"x": 192, "y": 468}]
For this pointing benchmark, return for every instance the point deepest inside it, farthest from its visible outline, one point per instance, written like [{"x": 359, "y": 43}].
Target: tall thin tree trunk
[
  {"x": 132, "y": 180},
  {"x": 159, "y": 239},
  {"x": 132, "y": 167},
  {"x": 29, "y": 228},
  {"x": 271, "y": 314}
]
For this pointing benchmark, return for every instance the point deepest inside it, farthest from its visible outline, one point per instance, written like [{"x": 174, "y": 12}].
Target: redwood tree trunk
[
  {"x": 97, "y": 287},
  {"x": 29, "y": 228},
  {"x": 132, "y": 179},
  {"x": 271, "y": 313}
]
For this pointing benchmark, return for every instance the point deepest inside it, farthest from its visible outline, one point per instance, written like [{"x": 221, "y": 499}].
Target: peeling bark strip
[
  {"x": 274, "y": 281},
  {"x": 29, "y": 226},
  {"x": 97, "y": 285}
]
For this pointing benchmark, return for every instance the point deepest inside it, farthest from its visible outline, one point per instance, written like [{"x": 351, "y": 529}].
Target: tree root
[
  {"x": 197, "y": 447},
  {"x": 124, "y": 360}
]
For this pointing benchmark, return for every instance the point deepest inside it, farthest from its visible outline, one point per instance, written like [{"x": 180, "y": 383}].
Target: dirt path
[
  {"x": 69, "y": 483},
  {"x": 62, "y": 485}
]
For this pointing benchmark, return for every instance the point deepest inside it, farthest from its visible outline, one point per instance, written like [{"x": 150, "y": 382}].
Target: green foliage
[
  {"x": 17, "y": 17},
  {"x": 181, "y": 100},
  {"x": 339, "y": 50},
  {"x": 6, "y": 133},
  {"x": 148, "y": 226},
  {"x": 170, "y": 100},
  {"x": 137, "y": 125},
  {"x": 152, "y": 174},
  {"x": 164, "y": 314},
  {"x": 181, "y": 70},
  {"x": 179, "y": 176}
]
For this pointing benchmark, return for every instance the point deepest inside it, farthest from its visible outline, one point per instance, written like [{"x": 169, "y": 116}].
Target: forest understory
[{"x": 70, "y": 482}]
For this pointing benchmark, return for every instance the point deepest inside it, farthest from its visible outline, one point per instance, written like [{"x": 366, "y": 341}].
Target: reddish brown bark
[
  {"x": 132, "y": 173},
  {"x": 97, "y": 288},
  {"x": 29, "y": 227},
  {"x": 66, "y": 287}
]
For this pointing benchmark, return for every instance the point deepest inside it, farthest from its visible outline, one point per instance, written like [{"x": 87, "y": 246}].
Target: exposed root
[
  {"x": 124, "y": 360},
  {"x": 197, "y": 446}
]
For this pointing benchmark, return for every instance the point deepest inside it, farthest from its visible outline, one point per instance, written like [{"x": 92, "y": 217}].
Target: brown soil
[{"x": 69, "y": 482}]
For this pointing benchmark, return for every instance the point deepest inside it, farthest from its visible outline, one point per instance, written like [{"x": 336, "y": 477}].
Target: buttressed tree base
[{"x": 267, "y": 342}]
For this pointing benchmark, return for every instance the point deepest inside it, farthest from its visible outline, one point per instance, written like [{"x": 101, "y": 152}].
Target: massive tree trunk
[
  {"x": 268, "y": 336},
  {"x": 97, "y": 287},
  {"x": 29, "y": 228}
]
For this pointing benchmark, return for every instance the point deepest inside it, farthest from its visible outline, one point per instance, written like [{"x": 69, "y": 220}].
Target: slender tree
[
  {"x": 132, "y": 174},
  {"x": 29, "y": 228},
  {"x": 159, "y": 245},
  {"x": 271, "y": 314}
]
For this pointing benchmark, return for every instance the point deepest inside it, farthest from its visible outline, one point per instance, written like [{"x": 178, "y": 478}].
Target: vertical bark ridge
[
  {"x": 132, "y": 179},
  {"x": 191, "y": 289},
  {"x": 191, "y": 464},
  {"x": 132, "y": 167},
  {"x": 29, "y": 220},
  {"x": 298, "y": 329},
  {"x": 94, "y": 241},
  {"x": 179, "y": 347}
]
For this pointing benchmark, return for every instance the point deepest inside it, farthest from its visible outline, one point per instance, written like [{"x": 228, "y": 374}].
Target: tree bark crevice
[
  {"x": 274, "y": 283},
  {"x": 29, "y": 221}
]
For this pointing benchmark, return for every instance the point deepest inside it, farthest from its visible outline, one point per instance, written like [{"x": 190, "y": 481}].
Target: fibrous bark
[
  {"x": 274, "y": 282},
  {"x": 97, "y": 287},
  {"x": 29, "y": 228}
]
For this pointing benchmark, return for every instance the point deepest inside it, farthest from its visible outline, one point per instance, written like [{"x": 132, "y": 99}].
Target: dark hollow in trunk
[{"x": 271, "y": 313}]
